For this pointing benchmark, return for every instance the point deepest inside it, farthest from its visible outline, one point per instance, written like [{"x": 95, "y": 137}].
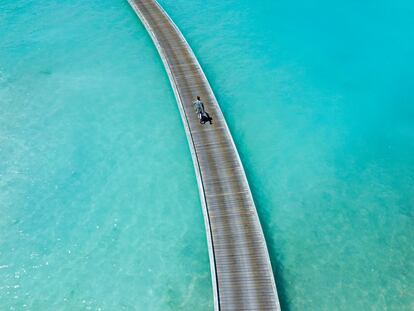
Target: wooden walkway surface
[{"x": 240, "y": 266}]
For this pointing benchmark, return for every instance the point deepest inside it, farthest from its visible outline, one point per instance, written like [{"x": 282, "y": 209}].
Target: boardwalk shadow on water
[{"x": 276, "y": 258}]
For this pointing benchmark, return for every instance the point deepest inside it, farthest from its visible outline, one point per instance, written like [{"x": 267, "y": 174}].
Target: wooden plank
[{"x": 240, "y": 266}]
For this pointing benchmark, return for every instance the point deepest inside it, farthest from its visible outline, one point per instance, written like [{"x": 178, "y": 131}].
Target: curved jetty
[{"x": 240, "y": 266}]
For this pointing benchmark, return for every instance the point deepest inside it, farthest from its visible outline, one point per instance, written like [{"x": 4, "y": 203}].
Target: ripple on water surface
[{"x": 99, "y": 206}]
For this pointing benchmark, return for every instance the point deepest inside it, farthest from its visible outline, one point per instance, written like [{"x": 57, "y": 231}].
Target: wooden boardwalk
[{"x": 240, "y": 266}]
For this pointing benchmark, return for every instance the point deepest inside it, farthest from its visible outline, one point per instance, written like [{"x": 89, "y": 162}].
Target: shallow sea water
[
  {"x": 98, "y": 201},
  {"x": 99, "y": 207}
]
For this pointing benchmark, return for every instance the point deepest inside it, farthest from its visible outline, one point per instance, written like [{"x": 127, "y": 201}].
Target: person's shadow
[{"x": 205, "y": 117}]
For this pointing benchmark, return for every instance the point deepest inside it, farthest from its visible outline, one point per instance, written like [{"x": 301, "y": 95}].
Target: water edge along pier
[{"x": 239, "y": 260}]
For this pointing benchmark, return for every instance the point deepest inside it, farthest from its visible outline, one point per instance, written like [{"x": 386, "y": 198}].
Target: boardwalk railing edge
[{"x": 193, "y": 152}]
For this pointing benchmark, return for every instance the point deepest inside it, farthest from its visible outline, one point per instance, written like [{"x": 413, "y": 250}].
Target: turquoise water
[
  {"x": 318, "y": 96},
  {"x": 99, "y": 206},
  {"x": 98, "y": 202}
]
